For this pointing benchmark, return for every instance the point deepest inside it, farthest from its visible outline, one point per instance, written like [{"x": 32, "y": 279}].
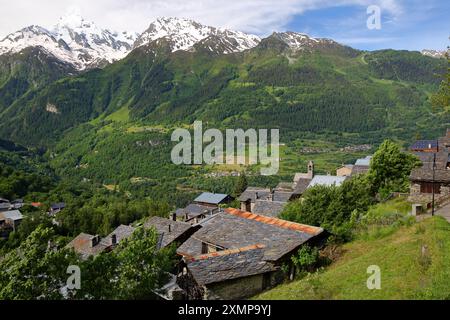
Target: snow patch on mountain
[
  {"x": 74, "y": 41},
  {"x": 298, "y": 41},
  {"x": 183, "y": 34},
  {"x": 434, "y": 53}
]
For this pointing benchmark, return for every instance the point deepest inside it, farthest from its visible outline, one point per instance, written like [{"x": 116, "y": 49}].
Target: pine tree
[{"x": 241, "y": 184}]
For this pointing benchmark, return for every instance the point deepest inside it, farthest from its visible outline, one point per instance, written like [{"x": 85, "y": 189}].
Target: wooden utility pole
[{"x": 433, "y": 182}]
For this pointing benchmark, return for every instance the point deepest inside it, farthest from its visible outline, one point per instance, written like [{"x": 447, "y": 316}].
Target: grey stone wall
[
  {"x": 235, "y": 289},
  {"x": 242, "y": 288},
  {"x": 445, "y": 190},
  {"x": 414, "y": 189}
]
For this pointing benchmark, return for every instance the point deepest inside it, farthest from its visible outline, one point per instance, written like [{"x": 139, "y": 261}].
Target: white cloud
[{"x": 256, "y": 16}]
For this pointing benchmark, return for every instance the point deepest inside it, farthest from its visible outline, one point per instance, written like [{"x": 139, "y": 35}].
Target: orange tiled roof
[
  {"x": 275, "y": 221},
  {"x": 36, "y": 204},
  {"x": 226, "y": 252}
]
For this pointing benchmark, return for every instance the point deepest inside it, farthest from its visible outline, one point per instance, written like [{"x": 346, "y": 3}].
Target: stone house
[
  {"x": 434, "y": 174},
  {"x": 5, "y": 205},
  {"x": 252, "y": 195},
  {"x": 270, "y": 202},
  {"x": 237, "y": 254},
  {"x": 55, "y": 208},
  {"x": 194, "y": 213},
  {"x": 11, "y": 218},
  {"x": 87, "y": 245},
  {"x": 345, "y": 170},
  {"x": 361, "y": 166},
  {"x": 212, "y": 199},
  {"x": 230, "y": 274},
  {"x": 425, "y": 146},
  {"x": 269, "y": 208},
  {"x": 169, "y": 232},
  {"x": 422, "y": 178}
]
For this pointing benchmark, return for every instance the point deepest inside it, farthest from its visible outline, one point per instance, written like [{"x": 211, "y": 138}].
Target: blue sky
[
  {"x": 415, "y": 26},
  {"x": 405, "y": 24}
]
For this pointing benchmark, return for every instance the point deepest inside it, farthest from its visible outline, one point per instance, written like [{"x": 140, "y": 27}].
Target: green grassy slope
[{"x": 405, "y": 272}]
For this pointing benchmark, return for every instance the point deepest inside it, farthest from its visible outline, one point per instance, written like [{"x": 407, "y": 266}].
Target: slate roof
[
  {"x": 360, "y": 170},
  {"x": 251, "y": 194},
  {"x": 122, "y": 232},
  {"x": 282, "y": 196},
  {"x": 235, "y": 229},
  {"x": 17, "y": 204},
  {"x": 301, "y": 186},
  {"x": 212, "y": 198},
  {"x": 425, "y": 157},
  {"x": 58, "y": 206},
  {"x": 285, "y": 186},
  {"x": 364, "y": 161},
  {"x": 295, "y": 188},
  {"x": 421, "y": 174},
  {"x": 326, "y": 181},
  {"x": 5, "y": 206},
  {"x": 425, "y": 173},
  {"x": 82, "y": 245},
  {"x": 300, "y": 175},
  {"x": 268, "y": 208},
  {"x": 13, "y": 215},
  {"x": 177, "y": 229},
  {"x": 194, "y": 210},
  {"x": 424, "y": 144},
  {"x": 229, "y": 264},
  {"x": 442, "y": 158}
]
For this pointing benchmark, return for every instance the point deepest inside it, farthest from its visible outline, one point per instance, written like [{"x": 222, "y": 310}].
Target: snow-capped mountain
[
  {"x": 73, "y": 40},
  {"x": 299, "y": 41},
  {"x": 434, "y": 53},
  {"x": 183, "y": 34},
  {"x": 83, "y": 45}
]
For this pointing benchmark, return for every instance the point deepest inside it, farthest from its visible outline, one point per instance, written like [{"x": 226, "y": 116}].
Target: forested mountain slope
[
  {"x": 27, "y": 71},
  {"x": 318, "y": 86}
]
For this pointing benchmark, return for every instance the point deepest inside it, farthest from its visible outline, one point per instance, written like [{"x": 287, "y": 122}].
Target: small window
[{"x": 204, "y": 248}]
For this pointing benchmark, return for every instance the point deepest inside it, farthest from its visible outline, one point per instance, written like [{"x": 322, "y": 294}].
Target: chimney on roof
[
  {"x": 186, "y": 216},
  {"x": 170, "y": 228},
  {"x": 257, "y": 195},
  {"x": 270, "y": 197},
  {"x": 429, "y": 146},
  {"x": 95, "y": 240},
  {"x": 113, "y": 239},
  {"x": 174, "y": 216}
]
